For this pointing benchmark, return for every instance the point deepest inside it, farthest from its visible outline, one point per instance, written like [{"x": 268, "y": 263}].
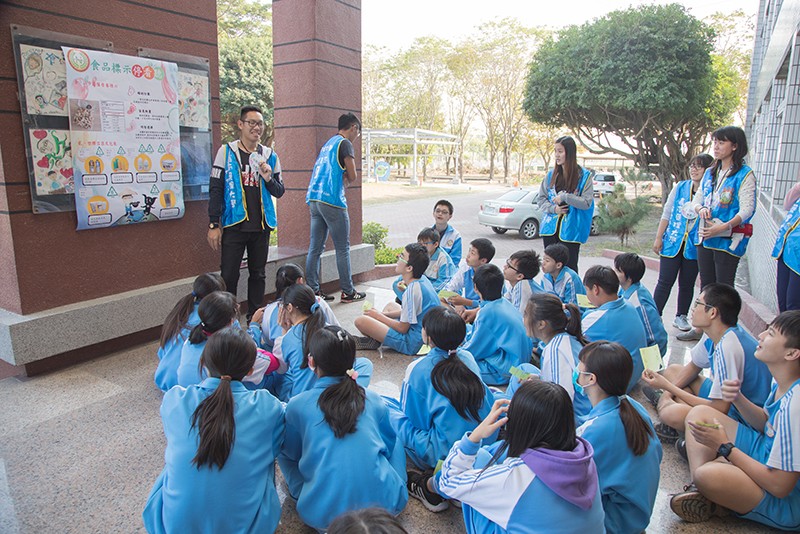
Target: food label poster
[
  {"x": 52, "y": 161},
  {"x": 124, "y": 125},
  {"x": 45, "y": 79}
]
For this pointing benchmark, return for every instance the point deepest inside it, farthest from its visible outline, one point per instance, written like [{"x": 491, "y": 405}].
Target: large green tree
[{"x": 639, "y": 83}]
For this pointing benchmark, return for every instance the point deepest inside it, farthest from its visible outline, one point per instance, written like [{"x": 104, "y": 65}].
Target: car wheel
[
  {"x": 497, "y": 230},
  {"x": 529, "y": 229},
  {"x": 594, "y": 230}
]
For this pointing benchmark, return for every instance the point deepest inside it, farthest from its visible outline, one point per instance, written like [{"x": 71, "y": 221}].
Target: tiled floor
[{"x": 80, "y": 448}]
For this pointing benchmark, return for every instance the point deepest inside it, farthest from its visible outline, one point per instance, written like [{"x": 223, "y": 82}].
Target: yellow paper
[
  {"x": 583, "y": 301},
  {"x": 447, "y": 294},
  {"x": 366, "y": 306},
  {"x": 424, "y": 350},
  {"x": 651, "y": 356}
]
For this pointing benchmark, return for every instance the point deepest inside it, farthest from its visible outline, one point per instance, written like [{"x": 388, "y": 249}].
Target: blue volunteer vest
[
  {"x": 327, "y": 178},
  {"x": 576, "y": 224},
  {"x": 680, "y": 228},
  {"x": 724, "y": 205},
  {"x": 234, "y": 205},
  {"x": 788, "y": 242}
]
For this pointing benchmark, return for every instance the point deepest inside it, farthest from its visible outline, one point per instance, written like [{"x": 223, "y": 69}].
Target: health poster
[
  {"x": 45, "y": 80},
  {"x": 124, "y": 126},
  {"x": 52, "y": 161},
  {"x": 193, "y": 100}
]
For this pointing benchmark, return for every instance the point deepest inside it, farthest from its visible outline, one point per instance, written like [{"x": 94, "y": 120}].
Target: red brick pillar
[{"x": 317, "y": 72}]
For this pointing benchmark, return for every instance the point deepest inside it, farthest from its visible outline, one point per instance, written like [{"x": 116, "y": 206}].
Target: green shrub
[
  {"x": 619, "y": 215},
  {"x": 387, "y": 255},
  {"x": 374, "y": 234}
]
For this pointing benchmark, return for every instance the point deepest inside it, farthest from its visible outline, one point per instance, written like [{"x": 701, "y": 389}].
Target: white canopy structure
[{"x": 413, "y": 137}]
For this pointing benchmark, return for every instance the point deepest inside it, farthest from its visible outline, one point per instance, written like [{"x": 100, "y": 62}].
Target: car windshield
[{"x": 513, "y": 196}]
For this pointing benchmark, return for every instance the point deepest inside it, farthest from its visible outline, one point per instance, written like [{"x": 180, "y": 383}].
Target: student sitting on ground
[
  {"x": 440, "y": 269},
  {"x": 498, "y": 340},
  {"x": 613, "y": 319},
  {"x": 340, "y": 451},
  {"x": 630, "y": 269},
  {"x": 519, "y": 271},
  {"x": 367, "y": 521},
  {"x": 442, "y": 395},
  {"x": 559, "y": 279},
  {"x": 481, "y": 252},
  {"x": 626, "y": 449},
  {"x": 726, "y": 348},
  {"x": 759, "y": 478},
  {"x": 400, "y": 327},
  {"x": 449, "y": 238}
]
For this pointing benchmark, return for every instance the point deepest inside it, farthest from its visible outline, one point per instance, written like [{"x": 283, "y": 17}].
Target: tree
[
  {"x": 245, "y": 62},
  {"x": 619, "y": 216},
  {"x": 733, "y": 51},
  {"x": 643, "y": 76}
]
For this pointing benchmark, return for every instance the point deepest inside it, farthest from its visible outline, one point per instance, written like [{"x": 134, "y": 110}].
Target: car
[
  {"x": 603, "y": 183},
  {"x": 517, "y": 210}
]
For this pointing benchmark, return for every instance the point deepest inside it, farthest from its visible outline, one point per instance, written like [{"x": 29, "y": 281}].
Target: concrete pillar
[{"x": 317, "y": 72}]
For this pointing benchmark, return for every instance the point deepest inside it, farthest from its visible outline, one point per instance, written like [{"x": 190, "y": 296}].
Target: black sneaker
[
  {"x": 693, "y": 507},
  {"x": 651, "y": 394},
  {"x": 680, "y": 446},
  {"x": 353, "y": 297},
  {"x": 323, "y": 296},
  {"x": 418, "y": 488},
  {"x": 666, "y": 433},
  {"x": 367, "y": 343}
]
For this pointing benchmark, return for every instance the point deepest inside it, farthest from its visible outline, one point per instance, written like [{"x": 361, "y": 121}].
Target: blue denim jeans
[{"x": 336, "y": 221}]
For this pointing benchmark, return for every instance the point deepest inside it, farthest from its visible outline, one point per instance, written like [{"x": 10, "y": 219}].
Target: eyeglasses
[
  {"x": 696, "y": 166},
  {"x": 401, "y": 258},
  {"x": 427, "y": 242},
  {"x": 706, "y": 306},
  {"x": 254, "y": 124},
  {"x": 441, "y": 212},
  {"x": 512, "y": 267}
]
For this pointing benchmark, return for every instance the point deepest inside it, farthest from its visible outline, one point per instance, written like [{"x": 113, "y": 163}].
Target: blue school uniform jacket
[
  {"x": 618, "y": 321},
  {"x": 426, "y": 422},
  {"x": 559, "y": 359},
  {"x": 541, "y": 491},
  {"x": 329, "y": 476},
  {"x": 498, "y": 341},
  {"x": 567, "y": 286},
  {"x": 628, "y": 483},
  {"x": 189, "y": 371},
  {"x": 462, "y": 283},
  {"x": 450, "y": 242},
  {"x": 169, "y": 356},
  {"x": 640, "y": 298},
  {"x": 521, "y": 293},
  {"x": 240, "y": 497},
  {"x": 787, "y": 244}
]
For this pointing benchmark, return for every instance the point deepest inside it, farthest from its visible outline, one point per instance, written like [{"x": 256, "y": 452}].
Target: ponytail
[
  {"x": 302, "y": 297},
  {"x": 612, "y": 365},
  {"x": 561, "y": 317},
  {"x": 229, "y": 355},
  {"x": 179, "y": 316},
  {"x": 216, "y": 311},
  {"x": 334, "y": 353},
  {"x": 287, "y": 275},
  {"x": 573, "y": 326}
]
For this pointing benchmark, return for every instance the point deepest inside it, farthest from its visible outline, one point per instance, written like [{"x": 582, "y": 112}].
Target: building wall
[
  {"x": 44, "y": 261},
  {"x": 773, "y": 132}
]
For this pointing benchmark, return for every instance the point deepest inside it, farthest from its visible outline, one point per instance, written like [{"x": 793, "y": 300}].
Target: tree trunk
[
  {"x": 506, "y": 162},
  {"x": 491, "y": 164}
]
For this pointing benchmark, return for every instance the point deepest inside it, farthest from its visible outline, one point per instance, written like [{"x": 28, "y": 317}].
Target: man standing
[
  {"x": 245, "y": 177},
  {"x": 328, "y": 206}
]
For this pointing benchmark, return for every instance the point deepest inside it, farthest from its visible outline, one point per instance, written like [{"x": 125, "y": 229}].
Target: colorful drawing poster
[
  {"x": 124, "y": 126},
  {"x": 193, "y": 100},
  {"x": 52, "y": 162},
  {"x": 45, "y": 80}
]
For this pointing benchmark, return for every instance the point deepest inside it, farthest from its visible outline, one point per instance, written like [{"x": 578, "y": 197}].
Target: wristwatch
[
  {"x": 725, "y": 450},
  {"x": 213, "y": 226}
]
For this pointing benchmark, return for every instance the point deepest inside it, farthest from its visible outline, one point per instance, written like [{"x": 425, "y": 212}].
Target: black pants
[
  {"x": 716, "y": 266},
  {"x": 669, "y": 270},
  {"x": 574, "y": 249},
  {"x": 234, "y": 243},
  {"x": 788, "y": 288}
]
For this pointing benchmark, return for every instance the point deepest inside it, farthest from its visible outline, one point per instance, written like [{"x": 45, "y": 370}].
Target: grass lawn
[{"x": 641, "y": 242}]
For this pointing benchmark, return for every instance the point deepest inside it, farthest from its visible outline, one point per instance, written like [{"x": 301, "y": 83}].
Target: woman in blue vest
[
  {"x": 787, "y": 252},
  {"x": 676, "y": 240},
  {"x": 566, "y": 197},
  {"x": 725, "y": 202}
]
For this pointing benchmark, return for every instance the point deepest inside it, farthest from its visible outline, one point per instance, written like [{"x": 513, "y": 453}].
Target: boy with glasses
[
  {"x": 440, "y": 269},
  {"x": 245, "y": 178},
  {"x": 449, "y": 238},
  {"x": 519, "y": 271}
]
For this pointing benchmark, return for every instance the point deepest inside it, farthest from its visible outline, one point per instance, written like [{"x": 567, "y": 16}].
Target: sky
[{"x": 395, "y": 24}]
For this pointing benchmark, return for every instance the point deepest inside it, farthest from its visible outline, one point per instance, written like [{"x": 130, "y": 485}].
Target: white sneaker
[{"x": 681, "y": 322}]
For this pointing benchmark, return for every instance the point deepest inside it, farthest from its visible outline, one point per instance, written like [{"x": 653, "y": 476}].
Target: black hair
[
  {"x": 334, "y": 353},
  {"x": 703, "y": 159},
  {"x": 561, "y": 317},
  {"x": 216, "y": 311},
  {"x": 489, "y": 281},
  {"x": 429, "y": 234},
  {"x": 302, "y": 298},
  {"x": 559, "y": 253},
  {"x": 287, "y": 275},
  {"x": 735, "y": 135},
  {"x": 348, "y": 120},
  {"x": 366, "y": 521},
  {"x": 788, "y": 324},
  {"x": 418, "y": 259},
  {"x": 726, "y": 300},
  {"x": 484, "y": 247},
  {"x": 445, "y": 203},
  {"x": 566, "y": 177},
  {"x": 230, "y": 353},
  {"x": 247, "y": 109},
  {"x": 612, "y": 365},
  {"x": 602, "y": 276},
  {"x": 540, "y": 415},
  {"x": 631, "y": 265},
  {"x": 178, "y": 317},
  {"x": 451, "y": 377},
  {"x": 528, "y": 263}
]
